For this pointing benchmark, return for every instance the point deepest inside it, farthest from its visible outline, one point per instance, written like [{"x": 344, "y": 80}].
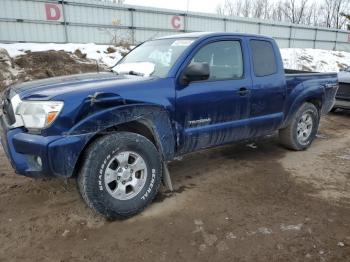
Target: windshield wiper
[
  {"x": 134, "y": 73},
  {"x": 128, "y": 73}
]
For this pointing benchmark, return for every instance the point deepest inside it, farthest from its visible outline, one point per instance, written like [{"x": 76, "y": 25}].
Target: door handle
[{"x": 243, "y": 91}]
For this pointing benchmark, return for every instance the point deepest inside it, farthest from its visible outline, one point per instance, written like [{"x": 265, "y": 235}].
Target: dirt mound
[
  {"x": 44, "y": 64},
  {"x": 37, "y": 65},
  {"x": 8, "y": 71}
]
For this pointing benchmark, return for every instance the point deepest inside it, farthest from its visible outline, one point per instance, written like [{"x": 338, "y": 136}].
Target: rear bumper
[
  {"x": 342, "y": 103},
  {"x": 39, "y": 156}
]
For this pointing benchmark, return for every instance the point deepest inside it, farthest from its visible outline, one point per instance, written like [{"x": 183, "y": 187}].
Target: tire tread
[
  {"x": 286, "y": 135},
  {"x": 83, "y": 174}
]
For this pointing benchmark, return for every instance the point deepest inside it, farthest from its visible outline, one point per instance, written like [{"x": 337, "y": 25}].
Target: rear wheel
[
  {"x": 303, "y": 128},
  {"x": 121, "y": 174}
]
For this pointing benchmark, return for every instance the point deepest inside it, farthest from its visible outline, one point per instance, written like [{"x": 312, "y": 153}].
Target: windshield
[{"x": 154, "y": 58}]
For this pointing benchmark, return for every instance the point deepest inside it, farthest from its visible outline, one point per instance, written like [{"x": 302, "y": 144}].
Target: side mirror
[{"x": 195, "y": 72}]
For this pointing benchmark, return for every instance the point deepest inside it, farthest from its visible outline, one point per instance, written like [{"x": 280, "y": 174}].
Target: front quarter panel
[{"x": 153, "y": 116}]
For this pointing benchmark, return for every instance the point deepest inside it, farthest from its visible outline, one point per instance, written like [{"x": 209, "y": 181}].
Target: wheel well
[
  {"x": 138, "y": 127},
  {"x": 316, "y": 102}
]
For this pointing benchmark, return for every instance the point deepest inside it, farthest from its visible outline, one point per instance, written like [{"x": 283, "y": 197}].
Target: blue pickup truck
[{"x": 115, "y": 132}]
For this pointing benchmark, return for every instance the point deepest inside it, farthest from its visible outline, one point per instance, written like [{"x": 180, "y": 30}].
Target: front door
[{"x": 215, "y": 111}]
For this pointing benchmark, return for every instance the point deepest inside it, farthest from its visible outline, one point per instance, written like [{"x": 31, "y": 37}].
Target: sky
[{"x": 205, "y": 6}]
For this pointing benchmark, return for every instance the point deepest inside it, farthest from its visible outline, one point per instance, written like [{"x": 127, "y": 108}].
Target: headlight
[{"x": 38, "y": 114}]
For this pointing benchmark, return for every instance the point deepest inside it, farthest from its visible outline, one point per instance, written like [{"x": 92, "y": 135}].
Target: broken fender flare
[{"x": 154, "y": 117}]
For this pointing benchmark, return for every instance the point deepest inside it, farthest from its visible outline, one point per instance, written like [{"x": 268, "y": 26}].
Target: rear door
[
  {"x": 214, "y": 111},
  {"x": 268, "y": 91}
]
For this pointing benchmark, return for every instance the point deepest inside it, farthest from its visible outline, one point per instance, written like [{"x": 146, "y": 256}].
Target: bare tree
[
  {"x": 246, "y": 8},
  {"x": 341, "y": 6},
  {"x": 277, "y": 12},
  {"x": 294, "y": 10},
  {"x": 310, "y": 12},
  {"x": 347, "y": 17},
  {"x": 235, "y": 8},
  {"x": 332, "y": 11}
]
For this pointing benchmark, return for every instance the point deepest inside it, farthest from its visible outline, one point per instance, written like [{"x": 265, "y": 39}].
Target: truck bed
[{"x": 309, "y": 79}]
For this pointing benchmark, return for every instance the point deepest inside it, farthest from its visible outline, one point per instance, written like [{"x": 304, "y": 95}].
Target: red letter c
[{"x": 176, "y": 22}]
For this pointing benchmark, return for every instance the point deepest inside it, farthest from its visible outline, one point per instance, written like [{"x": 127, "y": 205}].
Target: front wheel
[
  {"x": 303, "y": 128},
  {"x": 121, "y": 174}
]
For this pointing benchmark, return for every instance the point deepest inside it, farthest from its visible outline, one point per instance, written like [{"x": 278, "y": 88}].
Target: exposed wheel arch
[
  {"x": 317, "y": 102},
  {"x": 141, "y": 127},
  {"x": 150, "y": 121}
]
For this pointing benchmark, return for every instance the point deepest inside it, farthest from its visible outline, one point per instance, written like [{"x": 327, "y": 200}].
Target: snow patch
[
  {"x": 293, "y": 58},
  {"x": 92, "y": 51},
  {"x": 315, "y": 59},
  {"x": 291, "y": 227}
]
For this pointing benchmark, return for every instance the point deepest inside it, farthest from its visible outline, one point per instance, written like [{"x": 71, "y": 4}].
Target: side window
[
  {"x": 224, "y": 58},
  {"x": 264, "y": 59}
]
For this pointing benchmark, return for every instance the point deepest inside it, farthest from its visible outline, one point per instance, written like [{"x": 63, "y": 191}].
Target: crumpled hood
[{"x": 47, "y": 88}]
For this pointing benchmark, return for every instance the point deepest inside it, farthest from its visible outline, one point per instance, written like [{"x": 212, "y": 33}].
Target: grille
[{"x": 344, "y": 91}]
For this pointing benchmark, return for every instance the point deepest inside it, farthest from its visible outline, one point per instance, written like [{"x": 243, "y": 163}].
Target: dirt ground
[{"x": 245, "y": 202}]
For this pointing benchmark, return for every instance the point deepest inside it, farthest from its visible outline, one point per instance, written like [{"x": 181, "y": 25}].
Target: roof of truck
[{"x": 209, "y": 34}]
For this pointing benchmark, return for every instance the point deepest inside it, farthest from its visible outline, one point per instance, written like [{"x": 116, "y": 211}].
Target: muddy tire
[
  {"x": 302, "y": 129},
  {"x": 121, "y": 174}
]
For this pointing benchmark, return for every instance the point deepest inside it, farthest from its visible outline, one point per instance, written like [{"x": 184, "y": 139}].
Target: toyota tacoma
[{"x": 116, "y": 131}]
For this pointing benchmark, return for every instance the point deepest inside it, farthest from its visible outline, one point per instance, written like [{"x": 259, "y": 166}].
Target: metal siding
[
  {"x": 12, "y": 31},
  {"x": 241, "y": 27},
  {"x": 144, "y": 35},
  {"x": 282, "y": 43},
  {"x": 325, "y": 45},
  {"x": 202, "y": 24},
  {"x": 326, "y": 35},
  {"x": 19, "y": 9},
  {"x": 343, "y": 47},
  {"x": 159, "y": 21},
  {"x": 301, "y": 44},
  {"x": 100, "y": 16},
  {"x": 343, "y": 37},
  {"x": 302, "y": 33},
  {"x": 94, "y": 21},
  {"x": 274, "y": 31},
  {"x": 96, "y": 35}
]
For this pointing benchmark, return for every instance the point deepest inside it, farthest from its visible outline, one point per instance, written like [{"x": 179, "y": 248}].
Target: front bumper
[{"x": 58, "y": 154}]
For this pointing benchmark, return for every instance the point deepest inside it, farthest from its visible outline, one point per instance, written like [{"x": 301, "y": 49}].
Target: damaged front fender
[{"x": 154, "y": 117}]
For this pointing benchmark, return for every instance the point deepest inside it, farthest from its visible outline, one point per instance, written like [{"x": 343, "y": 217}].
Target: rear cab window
[{"x": 263, "y": 57}]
